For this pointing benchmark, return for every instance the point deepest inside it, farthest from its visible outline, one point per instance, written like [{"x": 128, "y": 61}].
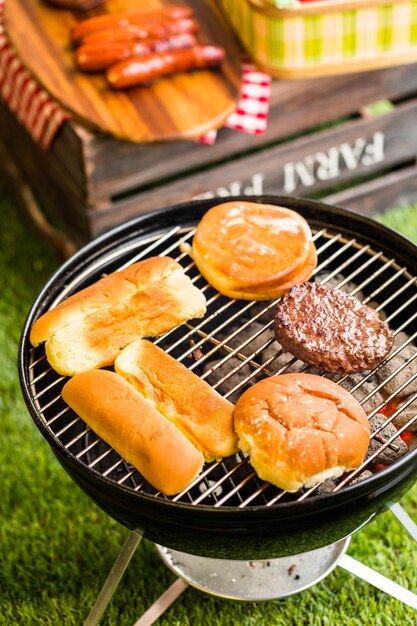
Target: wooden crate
[{"x": 317, "y": 138}]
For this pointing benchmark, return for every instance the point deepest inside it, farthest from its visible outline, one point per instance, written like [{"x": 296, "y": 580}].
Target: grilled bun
[
  {"x": 300, "y": 429},
  {"x": 201, "y": 413},
  {"x": 253, "y": 251},
  {"x": 134, "y": 428},
  {"x": 91, "y": 327}
]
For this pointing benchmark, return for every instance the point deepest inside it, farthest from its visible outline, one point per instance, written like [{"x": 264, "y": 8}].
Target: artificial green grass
[{"x": 57, "y": 546}]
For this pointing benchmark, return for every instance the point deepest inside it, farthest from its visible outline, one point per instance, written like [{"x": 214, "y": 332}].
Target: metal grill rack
[{"x": 232, "y": 347}]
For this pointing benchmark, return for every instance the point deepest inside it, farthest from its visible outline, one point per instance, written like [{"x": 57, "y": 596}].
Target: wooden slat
[
  {"x": 395, "y": 189},
  {"x": 295, "y": 107},
  {"x": 75, "y": 178},
  {"x": 55, "y": 237},
  {"x": 55, "y": 176},
  {"x": 306, "y": 165},
  {"x": 182, "y": 106}
]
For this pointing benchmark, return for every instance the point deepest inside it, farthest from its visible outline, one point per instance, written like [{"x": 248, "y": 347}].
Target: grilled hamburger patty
[{"x": 331, "y": 330}]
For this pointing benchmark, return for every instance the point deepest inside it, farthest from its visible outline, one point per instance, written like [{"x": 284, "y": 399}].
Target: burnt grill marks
[{"x": 238, "y": 348}]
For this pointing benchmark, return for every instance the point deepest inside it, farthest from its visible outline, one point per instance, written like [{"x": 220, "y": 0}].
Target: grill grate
[{"x": 233, "y": 347}]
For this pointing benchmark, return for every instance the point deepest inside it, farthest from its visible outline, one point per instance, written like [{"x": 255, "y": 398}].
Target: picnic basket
[{"x": 323, "y": 37}]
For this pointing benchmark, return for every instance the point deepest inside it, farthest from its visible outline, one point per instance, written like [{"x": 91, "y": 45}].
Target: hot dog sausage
[
  {"x": 137, "y": 71},
  {"x": 174, "y": 12},
  {"x": 74, "y": 5},
  {"x": 133, "y": 32},
  {"x": 96, "y": 57}
]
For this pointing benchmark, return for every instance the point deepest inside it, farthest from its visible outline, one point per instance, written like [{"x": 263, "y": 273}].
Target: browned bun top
[
  {"x": 300, "y": 429},
  {"x": 248, "y": 250},
  {"x": 90, "y": 328},
  {"x": 101, "y": 295}
]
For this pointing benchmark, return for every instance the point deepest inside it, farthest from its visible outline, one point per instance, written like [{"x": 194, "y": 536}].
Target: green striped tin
[{"x": 325, "y": 36}]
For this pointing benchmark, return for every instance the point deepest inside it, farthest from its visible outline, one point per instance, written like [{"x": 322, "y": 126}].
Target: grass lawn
[{"x": 57, "y": 546}]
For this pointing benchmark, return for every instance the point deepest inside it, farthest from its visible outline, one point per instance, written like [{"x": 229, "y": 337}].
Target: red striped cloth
[
  {"x": 43, "y": 117},
  {"x": 40, "y": 115},
  {"x": 251, "y": 115}
]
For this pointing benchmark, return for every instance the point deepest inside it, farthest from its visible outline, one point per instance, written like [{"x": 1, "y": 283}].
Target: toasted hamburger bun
[
  {"x": 300, "y": 429},
  {"x": 253, "y": 251}
]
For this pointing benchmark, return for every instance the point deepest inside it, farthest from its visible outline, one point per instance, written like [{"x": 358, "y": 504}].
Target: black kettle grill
[{"x": 228, "y": 512}]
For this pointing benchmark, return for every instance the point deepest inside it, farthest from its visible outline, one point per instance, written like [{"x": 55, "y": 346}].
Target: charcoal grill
[{"x": 228, "y": 512}]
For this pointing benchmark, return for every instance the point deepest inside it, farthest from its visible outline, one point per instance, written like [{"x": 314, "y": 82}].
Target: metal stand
[
  {"x": 378, "y": 580},
  {"x": 162, "y": 603},
  {"x": 286, "y": 576},
  {"x": 404, "y": 519},
  {"x": 114, "y": 577}
]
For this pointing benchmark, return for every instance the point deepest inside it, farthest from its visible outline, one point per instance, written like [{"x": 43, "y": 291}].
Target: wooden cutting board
[{"x": 179, "y": 107}]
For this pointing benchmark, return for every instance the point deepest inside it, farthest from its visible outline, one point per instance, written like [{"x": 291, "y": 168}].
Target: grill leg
[
  {"x": 403, "y": 518},
  {"x": 162, "y": 603},
  {"x": 378, "y": 580},
  {"x": 113, "y": 579},
  {"x": 374, "y": 578}
]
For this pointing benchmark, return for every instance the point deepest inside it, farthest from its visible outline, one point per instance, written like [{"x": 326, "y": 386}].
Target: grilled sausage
[
  {"x": 174, "y": 12},
  {"x": 137, "y": 71},
  {"x": 97, "y": 57},
  {"x": 74, "y": 5},
  {"x": 133, "y": 32}
]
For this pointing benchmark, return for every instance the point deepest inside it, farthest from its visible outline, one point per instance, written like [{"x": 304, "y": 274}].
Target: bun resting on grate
[
  {"x": 135, "y": 429},
  {"x": 201, "y": 413},
  {"x": 253, "y": 251},
  {"x": 91, "y": 327},
  {"x": 301, "y": 429}
]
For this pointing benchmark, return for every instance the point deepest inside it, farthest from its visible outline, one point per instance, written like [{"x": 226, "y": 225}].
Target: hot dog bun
[
  {"x": 201, "y": 413},
  {"x": 135, "y": 429},
  {"x": 300, "y": 429},
  {"x": 91, "y": 327},
  {"x": 253, "y": 251}
]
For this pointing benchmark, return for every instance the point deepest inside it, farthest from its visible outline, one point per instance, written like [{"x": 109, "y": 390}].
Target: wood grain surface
[{"x": 179, "y": 107}]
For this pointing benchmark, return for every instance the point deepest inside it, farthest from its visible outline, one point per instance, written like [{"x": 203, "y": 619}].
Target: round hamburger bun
[
  {"x": 301, "y": 429},
  {"x": 253, "y": 251}
]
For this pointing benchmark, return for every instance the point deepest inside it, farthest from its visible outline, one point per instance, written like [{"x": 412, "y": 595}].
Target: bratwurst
[
  {"x": 134, "y": 32},
  {"x": 140, "y": 18},
  {"x": 331, "y": 330},
  {"x": 100, "y": 56},
  {"x": 142, "y": 70}
]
